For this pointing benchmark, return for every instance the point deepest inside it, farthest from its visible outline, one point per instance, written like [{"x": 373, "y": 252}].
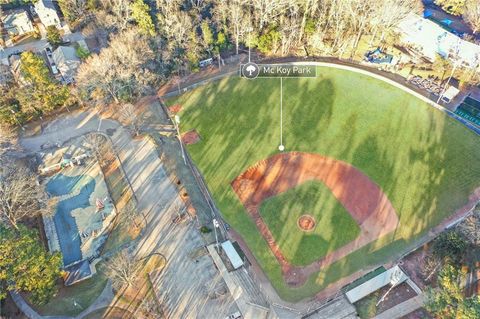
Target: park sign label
[{"x": 252, "y": 70}]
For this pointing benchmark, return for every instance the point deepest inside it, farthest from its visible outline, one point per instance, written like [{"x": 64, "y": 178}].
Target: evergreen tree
[
  {"x": 25, "y": 265},
  {"x": 141, "y": 15}
]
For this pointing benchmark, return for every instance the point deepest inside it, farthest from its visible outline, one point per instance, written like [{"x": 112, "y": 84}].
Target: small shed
[
  {"x": 232, "y": 254},
  {"x": 393, "y": 274},
  {"x": 450, "y": 94}
]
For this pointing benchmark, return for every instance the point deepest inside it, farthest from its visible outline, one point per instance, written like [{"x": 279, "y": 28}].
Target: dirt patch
[
  {"x": 362, "y": 198},
  {"x": 174, "y": 109},
  {"x": 368, "y": 308},
  {"x": 190, "y": 137},
  {"x": 306, "y": 223}
]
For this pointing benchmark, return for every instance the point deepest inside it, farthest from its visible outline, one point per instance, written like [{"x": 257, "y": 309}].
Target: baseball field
[{"x": 367, "y": 170}]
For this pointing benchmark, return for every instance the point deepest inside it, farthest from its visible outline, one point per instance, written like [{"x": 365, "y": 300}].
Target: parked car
[
  {"x": 54, "y": 68},
  {"x": 48, "y": 50}
]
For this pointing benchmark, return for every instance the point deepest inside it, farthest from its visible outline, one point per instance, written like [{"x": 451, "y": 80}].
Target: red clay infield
[{"x": 362, "y": 198}]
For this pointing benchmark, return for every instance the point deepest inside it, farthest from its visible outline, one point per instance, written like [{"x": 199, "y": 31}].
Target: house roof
[
  {"x": 64, "y": 54},
  {"x": 67, "y": 61},
  {"x": 47, "y": 4},
  {"x": 13, "y": 16}
]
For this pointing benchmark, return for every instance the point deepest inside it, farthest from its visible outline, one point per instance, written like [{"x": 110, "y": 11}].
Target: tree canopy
[{"x": 26, "y": 266}]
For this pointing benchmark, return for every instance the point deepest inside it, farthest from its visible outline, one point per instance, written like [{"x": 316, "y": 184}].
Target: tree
[
  {"x": 130, "y": 214},
  {"x": 472, "y": 14},
  {"x": 120, "y": 72},
  {"x": 73, "y": 10},
  {"x": 82, "y": 53},
  {"x": 128, "y": 114},
  {"x": 441, "y": 64},
  {"x": 207, "y": 35},
  {"x": 43, "y": 94},
  {"x": 455, "y": 7},
  {"x": 470, "y": 228},
  {"x": 53, "y": 36},
  {"x": 20, "y": 196},
  {"x": 450, "y": 245},
  {"x": 25, "y": 265},
  {"x": 97, "y": 144},
  {"x": 141, "y": 15},
  {"x": 123, "y": 269},
  {"x": 268, "y": 41},
  {"x": 448, "y": 300}
]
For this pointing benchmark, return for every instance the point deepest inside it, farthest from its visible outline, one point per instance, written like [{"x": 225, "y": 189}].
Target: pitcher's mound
[{"x": 306, "y": 223}]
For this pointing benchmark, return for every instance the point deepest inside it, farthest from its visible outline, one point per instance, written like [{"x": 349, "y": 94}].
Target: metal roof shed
[{"x": 232, "y": 254}]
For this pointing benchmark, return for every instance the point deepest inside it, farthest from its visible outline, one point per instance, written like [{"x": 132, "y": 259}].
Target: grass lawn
[
  {"x": 313, "y": 198},
  {"x": 83, "y": 294},
  {"x": 425, "y": 162}
]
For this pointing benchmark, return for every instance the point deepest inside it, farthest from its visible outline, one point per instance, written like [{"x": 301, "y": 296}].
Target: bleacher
[{"x": 469, "y": 110}]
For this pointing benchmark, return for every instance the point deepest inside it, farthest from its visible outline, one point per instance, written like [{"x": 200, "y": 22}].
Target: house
[
  {"x": 67, "y": 62},
  {"x": 47, "y": 12},
  {"x": 17, "y": 22}
]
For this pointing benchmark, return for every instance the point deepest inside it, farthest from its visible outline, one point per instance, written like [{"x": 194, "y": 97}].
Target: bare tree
[
  {"x": 119, "y": 72},
  {"x": 470, "y": 228},
  {"x": 123, "y": 269},
  {"x": 21, "y": 196},
  {"x": 472, "y": 14},
  {"x": 97, "y": 144},
  {"x": 152, "y": 308},
  {"x": 236, "y": 18},
  {"x": 130, "y": 214},
  {"x": 128, "y": 115}
]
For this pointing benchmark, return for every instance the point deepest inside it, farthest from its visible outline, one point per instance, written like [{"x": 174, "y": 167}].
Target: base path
[{"x": 360, "y": 196}]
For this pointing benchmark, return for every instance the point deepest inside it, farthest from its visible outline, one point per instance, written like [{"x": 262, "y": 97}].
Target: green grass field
[
  {"x": 281, "y": 213},
  {"x": 425, "y": 162}
]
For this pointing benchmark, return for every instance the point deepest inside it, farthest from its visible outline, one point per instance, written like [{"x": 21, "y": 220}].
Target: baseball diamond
[{"x": 375, "y": 167}]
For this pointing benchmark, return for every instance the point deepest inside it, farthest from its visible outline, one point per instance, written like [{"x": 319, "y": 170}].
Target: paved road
[{"x": 37, "y": 45}]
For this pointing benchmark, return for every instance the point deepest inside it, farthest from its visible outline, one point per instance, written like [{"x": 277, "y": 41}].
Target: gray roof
[
  {"x": 67, "y": 61},
  {"x": 48, "y": 4}
]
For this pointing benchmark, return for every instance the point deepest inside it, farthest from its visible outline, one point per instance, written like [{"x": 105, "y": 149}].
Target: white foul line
[{"x": 281, "y": 111}]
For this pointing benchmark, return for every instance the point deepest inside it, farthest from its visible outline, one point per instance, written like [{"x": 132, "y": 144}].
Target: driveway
[{"x": 37, "y": 45}]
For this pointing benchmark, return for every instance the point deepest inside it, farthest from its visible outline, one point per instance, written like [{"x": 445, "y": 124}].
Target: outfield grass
[
  {"x": 301, "y": 248},
  {"x": 425, "y": 162}
]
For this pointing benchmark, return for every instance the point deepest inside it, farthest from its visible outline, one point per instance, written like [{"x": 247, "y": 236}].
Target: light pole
[
  {"x": 457, "y": 62},
  {"x": 177, "y": 126},
  {"x": 216, "y": 224}
]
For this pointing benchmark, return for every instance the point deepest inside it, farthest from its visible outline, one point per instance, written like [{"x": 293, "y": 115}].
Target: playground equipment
[{"x": 66, "y": 162}]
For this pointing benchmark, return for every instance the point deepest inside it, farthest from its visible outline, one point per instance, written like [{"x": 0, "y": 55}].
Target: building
[
  {"x": 48, "y": 14},
  {"x": 67, "y": 62},
  {"x": 430, "y": 39},
  {"x": 17, "y": 22}
]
